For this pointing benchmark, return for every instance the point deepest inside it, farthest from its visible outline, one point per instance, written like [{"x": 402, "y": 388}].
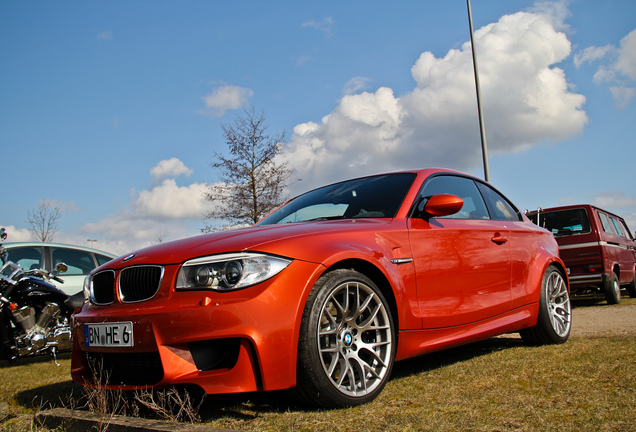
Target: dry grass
[{"x": 496, "y": 385}]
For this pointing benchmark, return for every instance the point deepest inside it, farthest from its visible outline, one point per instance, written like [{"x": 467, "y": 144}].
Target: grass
[{"x": 495, "y": 385}]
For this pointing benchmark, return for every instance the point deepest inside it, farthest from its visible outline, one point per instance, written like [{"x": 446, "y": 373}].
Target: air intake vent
[
  {"x": 127, "y": 369},
  {"x": 139, "y": 283}
]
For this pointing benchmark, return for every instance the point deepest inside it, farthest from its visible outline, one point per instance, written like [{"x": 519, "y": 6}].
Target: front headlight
[{"x": 229, "y": 271}]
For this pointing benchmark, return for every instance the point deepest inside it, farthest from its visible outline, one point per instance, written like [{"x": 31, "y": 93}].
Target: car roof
[{"x": 59, "y": 245}]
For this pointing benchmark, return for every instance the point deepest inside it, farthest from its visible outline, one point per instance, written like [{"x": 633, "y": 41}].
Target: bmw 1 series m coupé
[{"x": 325, "y": 293}]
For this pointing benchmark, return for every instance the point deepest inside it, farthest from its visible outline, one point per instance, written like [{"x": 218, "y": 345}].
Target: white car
[{"x": 80, "y": 261}]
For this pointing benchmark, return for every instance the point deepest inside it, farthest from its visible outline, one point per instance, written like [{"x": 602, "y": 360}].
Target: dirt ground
[{"x": 603, "y": 320}]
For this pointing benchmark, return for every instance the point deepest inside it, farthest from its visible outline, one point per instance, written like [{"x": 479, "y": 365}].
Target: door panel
[{"x": 462, "y": 275}]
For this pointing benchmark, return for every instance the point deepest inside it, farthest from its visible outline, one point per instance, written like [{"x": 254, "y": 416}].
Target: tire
[
  {"x": 612, "y": 290},
  {"x": 555, "y": 312},
  {"x": 347, "y": 342},
  {"x": 631, "y": 287}
]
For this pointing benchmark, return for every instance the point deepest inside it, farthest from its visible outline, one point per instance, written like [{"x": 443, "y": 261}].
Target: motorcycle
[{"x": 35, "y": 315}]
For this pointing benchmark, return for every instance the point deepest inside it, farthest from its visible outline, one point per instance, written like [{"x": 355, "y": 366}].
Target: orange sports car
[{"x": 326, "y": 292}]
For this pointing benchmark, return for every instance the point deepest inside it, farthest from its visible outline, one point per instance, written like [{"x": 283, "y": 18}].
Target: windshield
[
  {"x": 369, "y": 197},
  {"x": 565, "y": 222}
]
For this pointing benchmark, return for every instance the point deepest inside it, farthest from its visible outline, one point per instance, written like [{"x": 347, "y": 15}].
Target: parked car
[
  {"x": 597, "y": 247},
  {"x": 326, "y": 292},
  {"x": 80, "y": 261}
]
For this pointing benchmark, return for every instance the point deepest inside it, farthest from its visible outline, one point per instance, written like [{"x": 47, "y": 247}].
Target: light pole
[
  {"x": 482, "y": 128},
  {"x": 92, "y": 241}
]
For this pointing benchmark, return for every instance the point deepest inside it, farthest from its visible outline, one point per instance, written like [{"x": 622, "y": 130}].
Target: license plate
[{"x": 112, "y": 334}]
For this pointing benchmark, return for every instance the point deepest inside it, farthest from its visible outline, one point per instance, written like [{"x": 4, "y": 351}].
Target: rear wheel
[
  {"x": 612, "y": 290},
  {"x": 631, "y": 287},
  {"x": 347, "y": 341},
  {"x": 555, "y": 312}
]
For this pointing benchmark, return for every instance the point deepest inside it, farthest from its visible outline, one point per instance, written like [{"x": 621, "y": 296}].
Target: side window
[
  {"x": 78, "y": 262},
  {"x": 102, "y": 259},
  {"x": 498, "y": 206},
  {"x": 617, "y": 227},
  {"x": 28, "y": 257},
  {"x": 474, "y": 206},
  {"x": 605, "y": 222},
  {"x": 626, "y": 230}
]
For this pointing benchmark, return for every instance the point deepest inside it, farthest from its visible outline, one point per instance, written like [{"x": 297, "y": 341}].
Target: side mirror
[
  {"x": 443, "y": 205},
  {"x": 61, "y": 267}
]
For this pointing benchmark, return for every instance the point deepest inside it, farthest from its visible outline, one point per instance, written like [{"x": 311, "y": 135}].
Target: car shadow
[{"x": 438, "y": 359}]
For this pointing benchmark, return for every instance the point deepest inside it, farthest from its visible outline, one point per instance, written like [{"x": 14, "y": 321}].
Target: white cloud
[
  {"x": 618, "y": 66},
  {"x": 526, "y": 102},
  {"x": 162, "y": 213},
  {"x": 326, "y": 25},
  {"x": 356, "y": 84},
  {"x": 227, "y": 97},
  {"x": 166, "y": 211},
  {"x": 623, "y": 95},
  {"x": 618, "y": 203},
  {"x": 169, "y": 201},
  {"x": 626, "y": 62},
  {"x": 169, "y": 168},
  {"x": 591, "y": 54},
  {"x": 17, "y": 234},
  {"x": 614, "y": 200}
]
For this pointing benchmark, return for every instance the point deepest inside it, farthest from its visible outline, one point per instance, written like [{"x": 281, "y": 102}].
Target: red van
[{"x": 595, "y": 245}]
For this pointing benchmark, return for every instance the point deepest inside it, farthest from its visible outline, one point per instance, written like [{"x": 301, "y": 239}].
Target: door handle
[{"x": 499, "y": 239}]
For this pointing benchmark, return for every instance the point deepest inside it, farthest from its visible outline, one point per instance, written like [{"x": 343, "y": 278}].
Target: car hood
[{"x": 306, "y": 241}]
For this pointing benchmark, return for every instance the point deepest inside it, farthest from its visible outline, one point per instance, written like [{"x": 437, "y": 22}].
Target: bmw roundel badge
[{"x": 129, "y": 257}]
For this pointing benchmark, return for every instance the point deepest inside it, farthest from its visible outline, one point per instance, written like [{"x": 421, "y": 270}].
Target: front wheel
[
  {"x": 612, "y": 290},
  {"x": 555, "y": 312},
  {"x": 347, "y": 341}
]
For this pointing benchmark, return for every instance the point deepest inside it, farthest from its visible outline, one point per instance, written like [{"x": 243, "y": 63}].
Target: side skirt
[{"x": 413, "y": 343}]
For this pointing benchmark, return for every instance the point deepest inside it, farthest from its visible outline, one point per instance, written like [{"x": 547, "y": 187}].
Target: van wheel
[
  {"x": 555, "y": 312},
  {"x": 347, "y": 341},
  {"x": 612, "y": 290},
  {"x": 631, "y": 287}
]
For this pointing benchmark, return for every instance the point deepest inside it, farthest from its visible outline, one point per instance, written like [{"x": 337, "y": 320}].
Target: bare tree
[
  {"x": 252, "y": 181},
  {"x": 43, "y": 221}
]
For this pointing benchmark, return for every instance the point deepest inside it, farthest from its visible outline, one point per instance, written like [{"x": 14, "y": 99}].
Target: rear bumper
[{"x": 589, "y": 280}]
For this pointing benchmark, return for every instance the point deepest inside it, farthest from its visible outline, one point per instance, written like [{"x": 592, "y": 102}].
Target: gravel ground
[{"x": 603, "y": 320}]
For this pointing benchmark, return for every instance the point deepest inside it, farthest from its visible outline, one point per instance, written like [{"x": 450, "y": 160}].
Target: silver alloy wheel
[
  {"x": 616, "y": 287},
  {"x": 558, "y": 302},
  {"x": 354, "y": 339}
]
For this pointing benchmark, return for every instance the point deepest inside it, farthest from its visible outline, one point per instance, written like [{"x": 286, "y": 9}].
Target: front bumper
[{"x": 223, "y": 342}]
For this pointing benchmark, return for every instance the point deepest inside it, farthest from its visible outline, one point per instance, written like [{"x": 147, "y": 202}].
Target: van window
[
  {"x": 565, "y": 222},
  {"x": 617, "y": 226},
  {"x": 605, "y": 222},
  {"x": 626, "y": 230}
]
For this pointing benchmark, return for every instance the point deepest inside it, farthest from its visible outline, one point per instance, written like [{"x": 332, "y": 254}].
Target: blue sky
[{"x": 112, "y": 110}]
